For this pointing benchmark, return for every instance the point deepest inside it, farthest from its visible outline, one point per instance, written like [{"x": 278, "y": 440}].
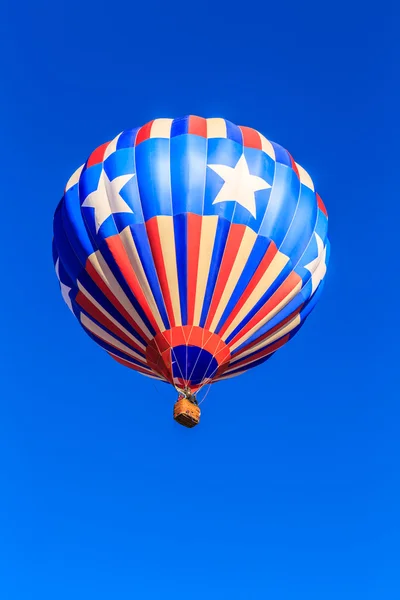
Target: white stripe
[
  {"x": 216, "y": 128},
  {"x": 102, "y": 268},
  {"x": 74, "y": 178},
  {"x": 136, "y": 264},
  {"x": 269, "y": 340},
  {"x": 246, "y": 246},
  {"x": 109, "y": 339},
  {"x": 152, "y": 376},
  {"x": 275, "y": 268},
  {"x": 207, "y": 238},
  {"x": 161, "y": 128},
  {"x": 268, "y": 317},
  {"x": 167, "y": 240},
  {"x": 305, "y": 178},
  {"x": 267, "y": 147},
  {"x": 110, "y": 317},
  {"x": 112, "y": 147}
]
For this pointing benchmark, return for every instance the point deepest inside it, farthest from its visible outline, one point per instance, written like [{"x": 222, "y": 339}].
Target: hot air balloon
[{"x": 191, "y": 250}]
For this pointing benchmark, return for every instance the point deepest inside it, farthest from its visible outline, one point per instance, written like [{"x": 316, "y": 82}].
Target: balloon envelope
[{"x": 190, "y": 249}]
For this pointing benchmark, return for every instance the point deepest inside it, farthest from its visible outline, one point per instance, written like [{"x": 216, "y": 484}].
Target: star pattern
[
  {"x": 317, "y": 267},
  {"x": 65, "y": 290},
  {"x": 106, "y": 200},
  {"x": 239, "y": 185}
]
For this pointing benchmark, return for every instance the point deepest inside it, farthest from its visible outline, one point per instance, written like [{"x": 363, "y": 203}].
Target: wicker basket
[{"x": 186, "y": 413}]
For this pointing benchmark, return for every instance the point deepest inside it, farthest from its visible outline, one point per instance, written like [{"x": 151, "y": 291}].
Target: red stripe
[
  {"x": 198, "y": 126},
  {"x": 193, "y": 249},
  {"x": 321, "y": 205},
  {"x": 128, "y": 364},
  {"x": 96, "y": 314},
  {"x": 97, "y": 155},
  {"x": 156, "y": 250},
  {"x": 261, "y": 269},
  {"x": 271, "y": 331},
  {"x": 281, "y": 293},
  {"x": 144, "y": 133},
  {"x": 294, "y": 166},
  {"x": 121, "y": 258},
  {"x": 232, "y": 246},
  {"x": 264, "y": 352},
  {"x": 114, "y": 301},
  {"x": 251, "y": 138}
]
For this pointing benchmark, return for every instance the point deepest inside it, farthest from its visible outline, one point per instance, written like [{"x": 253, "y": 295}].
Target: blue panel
[
  {"x": 193, "y": 364},
  {"x": 321, "y": 227},
  {"x": 127, "y": 138},
  {"x": 109, "y": 258},
  {"x": 282, "y": 204},
  {"x": 75, "y": 270},
  {"x": 142, "y": 244},
  {"x": 115, "y": 351},
  {"x": 256, "y": 363},
  {"x": 257, "y": 254},
  {"x": 233, "y": 132},
  {"x": 154, "y": 177},
  {"x": 221, "y": 236},
  {"x": 188, "y": 173},
  {"x": 302, "y": 226},
  {"x": 180, "y": 231},
  {"x": 179, "y": 126},
  {"x": 119, "y": 163},
  {"x": 74, "y": 225},
  {"x": 281, "y": 155},
  {"x": 272, "y": 289}
]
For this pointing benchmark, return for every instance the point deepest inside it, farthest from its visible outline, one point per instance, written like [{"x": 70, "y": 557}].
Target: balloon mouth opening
[{"x": 188, "y": 357}]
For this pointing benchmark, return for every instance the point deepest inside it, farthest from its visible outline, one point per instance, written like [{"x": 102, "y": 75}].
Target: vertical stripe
[
  {"x": 134, "y": 259},
  {"x": 84, "y": 292},
  {"x": 96, "y": 265},
  {"x": 97, "y": 156},
  {"x": 161, "y": 128},
  {"x": 241, "y": 259},
  {"x": 73, "y": 180},
  {"x": 282, "y": 331},
  {"x": 156, "y": 250},
  {"x": 282, "y": 296},
  {"x": 216, "y": 128},
  {"x": 231, "y": 249},
  {"x": 180, "y": 232},
  {"x": 112, "y": 147},
  {"x": 109, "y": 339},
  {"x": 267, "y": 147},
  {"x": 207, "y": 238},
  {"x": 124, "y": 265},
  {"x": 274, "y": 269},
  {"x": 221, "y": 236},
  {"x": 144, "y": 133},
  {"x": 198, "y": 126},
  {"x": 193, "y": 252},
  {"x": 251, "y": 138},
  {"x": 167, "y": 242},
  {"x": 304, "y": 177}
]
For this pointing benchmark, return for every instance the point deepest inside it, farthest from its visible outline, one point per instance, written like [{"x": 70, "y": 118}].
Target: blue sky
[{"x": 290, "y": 487}]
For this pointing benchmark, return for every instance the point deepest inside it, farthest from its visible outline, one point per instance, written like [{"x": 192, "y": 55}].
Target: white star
[
  {"x": 317, "y": 267},
  {"x": 65, "y": 290},
  {"x": 239, "y": 185},
  {"x": 106, "y": 200}
]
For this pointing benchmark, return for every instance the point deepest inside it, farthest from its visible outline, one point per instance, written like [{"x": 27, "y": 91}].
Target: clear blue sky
[{"x": 290, "y": 487}]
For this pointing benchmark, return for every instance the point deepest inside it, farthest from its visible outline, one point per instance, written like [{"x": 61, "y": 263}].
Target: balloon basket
[{"x": 186, "y": 413}]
